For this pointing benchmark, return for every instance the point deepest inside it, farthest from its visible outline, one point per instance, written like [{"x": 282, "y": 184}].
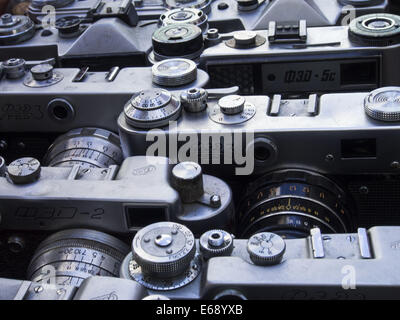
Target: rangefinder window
[
  {"x": 358, "y": 148},
  {"x": 359, "y": 73}
]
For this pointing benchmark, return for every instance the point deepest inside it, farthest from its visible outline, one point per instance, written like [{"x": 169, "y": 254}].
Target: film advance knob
[
  {"x": 232, "y": 104},
  {"x": 266, "y": 248},
  {"x": 42, "y": 72},
  {"x": 164, "y": 249},
  {"x": 187, "y": 179},
  {"x": 24, "y": 170},
  {"x": 383, "y": 104},
  {"x": 216, "y": 243},
  {"x": 174, "y": 72}
]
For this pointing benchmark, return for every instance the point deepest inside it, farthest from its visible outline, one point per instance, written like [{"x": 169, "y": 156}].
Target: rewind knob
[{"x": 383, "y": 104}]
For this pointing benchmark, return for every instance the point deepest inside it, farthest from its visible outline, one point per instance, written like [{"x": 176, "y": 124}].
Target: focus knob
[
  {"x": 383, "y": 104},
  {"x": 42, "y": 72},
  {"x": 187, "y": 179},
  {"x": 164, "y": 249},
  {"x": 24, "y": 170},
  {"x": 266, "y": 248},
  {"x": 232, "y": 104}
]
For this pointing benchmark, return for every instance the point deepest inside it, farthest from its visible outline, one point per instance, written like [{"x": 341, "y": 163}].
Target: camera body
[
  {"x": 330, "y": 124},
  {"x": 72, "y": 98},
  {"x": 299, "y": 60},
  {"x": 249, "y": 15},
  {"x": 88, "y": 9},
  {"x": 116, "y": 200},
  {"x": 100, "y": 45},
  {"x": 217, "y": 280},
  {"x": 334, "y": 137}
]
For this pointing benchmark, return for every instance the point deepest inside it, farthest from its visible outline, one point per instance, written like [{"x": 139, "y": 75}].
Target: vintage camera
[
  {"x": 42, "y": 98},
  {"x": 73, "y": 42},
  {"x": 329, "y": 160},
  {"x": 89, "y": 10},
  {"x": 291, "y": 59},
  {"x": 227, "y": 16},
  {"x": 168, "y": 262},
  {"x": 69, "y": 194}
]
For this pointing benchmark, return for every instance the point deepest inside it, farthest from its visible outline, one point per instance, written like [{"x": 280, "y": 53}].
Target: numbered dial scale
[
  {"x": 87, "y": 147},
  {"x": 164, "y": 256},
  {"x": 70, "y": 256},
  {"x": 232, "y": 109},
  {"x": 152, "y": 108},
  {"x": 292, "y": 202}
]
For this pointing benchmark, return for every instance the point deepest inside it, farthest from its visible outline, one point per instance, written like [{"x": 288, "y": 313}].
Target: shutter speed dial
[
  {"x": 232, "y": 109},
  {"x": 164, "y": 256},
  {"x": 152, "y": 108}
]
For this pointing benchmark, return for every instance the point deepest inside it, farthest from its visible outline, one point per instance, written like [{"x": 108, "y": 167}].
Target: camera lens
[
  {"x": 70, "y": 256},
  {"x": 292, "y": 202}
]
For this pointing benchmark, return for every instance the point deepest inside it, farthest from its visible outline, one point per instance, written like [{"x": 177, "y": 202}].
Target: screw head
[
  {"x": 363, "y": 190},
  {"x": 329, "y": 158},
  {"x": 38, "y": 289},
  {"x": 395, "y": 165}
]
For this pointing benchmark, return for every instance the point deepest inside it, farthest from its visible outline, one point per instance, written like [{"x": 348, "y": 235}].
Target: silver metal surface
[
  {"x": 216, "y": 243},
  {"x": 70, "y": 256},
  {"x": 194, "y": 100},
  {"x": 232, "y": 111},
  {"x": 118, "y": 200},
  {"x": 14, "y": 68},
  {"x": 383, "y": 104},
  {"x": 266, "y": 248},
  {"x": 15, "y": 29},
  {"x": 164, "y": 256},
  {"x": 86, "y": 147},
  {"x": 174, "y": 72},
  {"x": 24, "y": 170},
  {"x": 152, "y": 109},
  {"x": 365, "y": 249},
  {"x": 185, "y": 15},
  {"x": 187, "y": 179},
  {"x": 27, "y": 109},
  {"x": 317, "y": 244}
]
